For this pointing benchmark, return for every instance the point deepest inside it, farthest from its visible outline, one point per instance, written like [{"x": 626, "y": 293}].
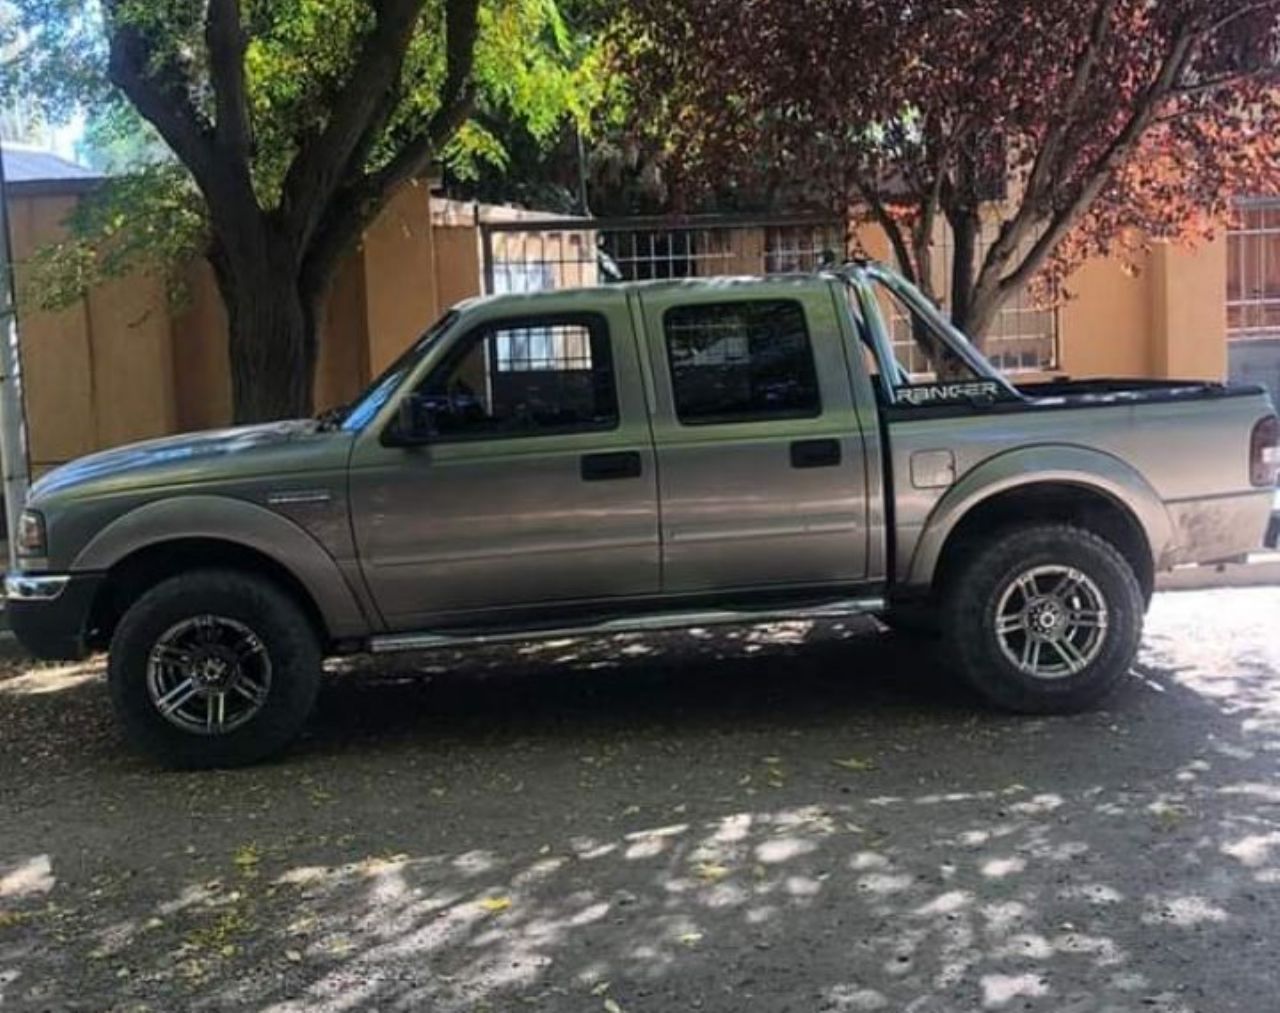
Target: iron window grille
[{"x": 1253, "y": 270}]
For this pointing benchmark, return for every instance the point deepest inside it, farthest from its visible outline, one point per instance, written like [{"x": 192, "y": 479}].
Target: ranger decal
[{"x": 948, "y": 393}]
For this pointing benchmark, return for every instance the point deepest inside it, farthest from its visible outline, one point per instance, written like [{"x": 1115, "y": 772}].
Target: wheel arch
[
  {"x": 1074, "y": 485},
  {"x": 171, "y": 536}
]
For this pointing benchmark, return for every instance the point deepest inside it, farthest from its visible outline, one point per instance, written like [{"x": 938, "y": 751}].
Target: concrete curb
[{"x": 1261, "y": 570}]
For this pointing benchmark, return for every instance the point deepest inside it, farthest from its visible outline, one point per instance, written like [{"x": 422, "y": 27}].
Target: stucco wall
[{"x": 96, "y": 374}]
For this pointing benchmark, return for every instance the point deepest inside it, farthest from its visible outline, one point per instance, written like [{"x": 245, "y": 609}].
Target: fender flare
[
  {"x": 227, "y": 519},
  {"x": 1048, "y": 464}
]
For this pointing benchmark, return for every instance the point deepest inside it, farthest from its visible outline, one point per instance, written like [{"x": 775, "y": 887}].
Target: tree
[
  {"x": 291, "y": 123},
  {"x": 1039, "y": 133}
]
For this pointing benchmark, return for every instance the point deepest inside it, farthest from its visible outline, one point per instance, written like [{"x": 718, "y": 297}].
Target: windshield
[{"x": 368, "y": 404}]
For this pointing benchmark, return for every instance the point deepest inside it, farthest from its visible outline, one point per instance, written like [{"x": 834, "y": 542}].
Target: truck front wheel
[
  {"x": 1043, "y": 618},
  {"x": 214, "y": 668}
]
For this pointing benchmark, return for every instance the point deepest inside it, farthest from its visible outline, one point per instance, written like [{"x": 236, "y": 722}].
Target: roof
[{"x": 28, "y": 168}]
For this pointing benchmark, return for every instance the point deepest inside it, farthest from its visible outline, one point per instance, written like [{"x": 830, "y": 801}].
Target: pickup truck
[{"x": 635, "y": 457}]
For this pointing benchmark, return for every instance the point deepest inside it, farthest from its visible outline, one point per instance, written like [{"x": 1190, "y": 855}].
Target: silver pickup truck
[{"x": 637, "y": 457}]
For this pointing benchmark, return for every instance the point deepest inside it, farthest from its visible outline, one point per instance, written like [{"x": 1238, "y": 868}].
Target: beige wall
[
  {"x": 101, "y": 372},
  {"x": 122, "y": 365}
]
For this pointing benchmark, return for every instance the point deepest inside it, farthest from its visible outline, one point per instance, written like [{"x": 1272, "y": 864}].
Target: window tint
[
  {"x": 741, "y": 361},
  {"x": 546, "y": 376}
]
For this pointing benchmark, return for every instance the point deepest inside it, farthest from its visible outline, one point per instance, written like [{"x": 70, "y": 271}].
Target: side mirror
[{"x": 414, "y": 424}]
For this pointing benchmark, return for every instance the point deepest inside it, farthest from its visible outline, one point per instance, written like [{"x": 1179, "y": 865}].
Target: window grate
[
  {"x": 533, "y": 349},
  {"x": 1253, "y": 271}
]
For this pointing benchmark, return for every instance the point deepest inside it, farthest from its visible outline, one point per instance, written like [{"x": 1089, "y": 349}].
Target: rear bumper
[
  {"x": 49, "y": 613},
  {"x": 1218, "y": 528}
]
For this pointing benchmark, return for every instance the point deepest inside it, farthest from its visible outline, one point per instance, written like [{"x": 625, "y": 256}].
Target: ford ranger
[{"x": 643, "y": 456}]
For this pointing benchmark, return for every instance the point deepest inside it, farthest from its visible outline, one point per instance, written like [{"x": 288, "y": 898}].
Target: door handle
[
  {"x": 815, "y": 454},
  {"x": 605, "y": 467}
]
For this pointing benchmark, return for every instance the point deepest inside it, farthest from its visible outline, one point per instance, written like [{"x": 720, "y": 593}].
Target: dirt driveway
[{"x": 777, "y": 819}]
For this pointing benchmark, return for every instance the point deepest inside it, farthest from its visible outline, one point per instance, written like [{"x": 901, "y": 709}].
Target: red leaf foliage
[{"x": 1041, "y": 132}]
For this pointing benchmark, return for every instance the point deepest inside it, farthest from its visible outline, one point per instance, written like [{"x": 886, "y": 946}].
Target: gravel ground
[{"x": 784, "y": 818}]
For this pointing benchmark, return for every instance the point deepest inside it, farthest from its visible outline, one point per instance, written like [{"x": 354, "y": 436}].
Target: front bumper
[{"x": 49, "y": 613}]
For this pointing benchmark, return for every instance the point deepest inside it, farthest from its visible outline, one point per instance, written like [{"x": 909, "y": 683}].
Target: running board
[{"x": 653, "y": 622}]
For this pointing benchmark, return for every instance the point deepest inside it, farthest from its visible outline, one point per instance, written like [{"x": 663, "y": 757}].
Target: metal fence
[
  {"x": 534, "y": 255},
  {"x": 527, "y": 256},
  {"x": 1253, "y": 270}
]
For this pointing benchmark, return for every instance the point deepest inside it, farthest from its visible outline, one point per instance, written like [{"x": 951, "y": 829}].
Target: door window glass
[
  {"x": 551, "y": 375},
  {"x": 741, "y": 361}
]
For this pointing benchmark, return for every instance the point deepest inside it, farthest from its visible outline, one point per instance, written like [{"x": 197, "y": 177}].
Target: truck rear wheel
[
  {"x": 1043, "y": 618},
  {"x": 214, "y": 668}
]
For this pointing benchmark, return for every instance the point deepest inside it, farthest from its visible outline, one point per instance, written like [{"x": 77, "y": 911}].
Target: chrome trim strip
[
  {"x": 20, "y": 587},
  {"x": 299, "y": 496},
  {"x": 425, "y": 640}
]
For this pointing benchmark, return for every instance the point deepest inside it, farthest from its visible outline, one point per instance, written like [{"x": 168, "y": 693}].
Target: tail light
[{"x": 1264, "y": 452}]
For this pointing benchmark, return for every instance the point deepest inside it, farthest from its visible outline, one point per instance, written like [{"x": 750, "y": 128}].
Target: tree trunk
[
  {"x": 271, "y": 319},
  {"x": 980, "y": 314},
  {"x": 965, "y": 226}
]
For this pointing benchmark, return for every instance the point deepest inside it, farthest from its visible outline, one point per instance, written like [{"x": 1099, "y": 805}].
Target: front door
[
  {"x": 760, "y": 451},
  {"x": 535, "y": 485}
]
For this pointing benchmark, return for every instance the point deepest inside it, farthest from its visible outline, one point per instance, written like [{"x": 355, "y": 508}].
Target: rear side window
[{"x": 741, "y": 361}]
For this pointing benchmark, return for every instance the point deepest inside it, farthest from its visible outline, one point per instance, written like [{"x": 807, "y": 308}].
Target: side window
[
  {"x": 741, "y": 361},
  {"x": 525, "y": 378}
]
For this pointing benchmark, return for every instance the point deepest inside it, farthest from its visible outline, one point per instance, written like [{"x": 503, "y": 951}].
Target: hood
[{"x": 172, "y": 459}]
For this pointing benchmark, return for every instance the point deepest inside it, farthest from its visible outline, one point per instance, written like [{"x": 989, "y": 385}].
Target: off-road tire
[
  {"x": 972, "y": 593},
  {"x": 274, "y": 616}
]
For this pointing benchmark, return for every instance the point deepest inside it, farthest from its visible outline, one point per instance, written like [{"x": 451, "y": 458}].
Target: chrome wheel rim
[
  {"x": 208, "y": 674},
  {"x": 1051, "y": 622}
]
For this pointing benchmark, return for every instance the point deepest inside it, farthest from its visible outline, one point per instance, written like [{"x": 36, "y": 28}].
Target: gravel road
[{"x": 782, "y": 818}]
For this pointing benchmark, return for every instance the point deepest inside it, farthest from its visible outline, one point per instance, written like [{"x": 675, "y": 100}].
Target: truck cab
[{"x": 641, "y": 456}]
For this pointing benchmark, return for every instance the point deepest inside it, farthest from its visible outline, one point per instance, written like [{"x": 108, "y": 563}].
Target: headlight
[{"x": 31, "y": 534}]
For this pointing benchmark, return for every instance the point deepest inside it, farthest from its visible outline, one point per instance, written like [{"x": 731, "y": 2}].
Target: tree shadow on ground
[{"x": 773, "y": 818}]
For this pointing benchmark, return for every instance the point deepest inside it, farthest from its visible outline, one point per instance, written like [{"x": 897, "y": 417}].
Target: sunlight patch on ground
[
  {"x": 39, "y": 680},
  {"x": 26, "y": 877}
]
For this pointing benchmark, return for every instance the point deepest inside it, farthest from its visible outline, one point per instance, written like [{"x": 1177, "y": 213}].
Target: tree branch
[
  {"x": 891, "y": 229},
  {"x": 354, "y": 205},
  {"x": 326, "y": 158},
  {"x": 1046, "y": 167},
  {"x": 1100, "y": 173},
  {"x": 225, "y": 39},
  {"x": 160, "y": 95}
]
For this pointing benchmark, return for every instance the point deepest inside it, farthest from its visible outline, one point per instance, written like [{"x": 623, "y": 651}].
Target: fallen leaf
[
  {"x": 711, "y": 872},
  {"x": 855, "y": 763},
  {"x": 690, "y": 938},
  {"x": 495, "y": 904},
  {"x": 246, "y": 856},
  {"x": 612, "y": 1007},
  {"x": 293, "y": 955}
]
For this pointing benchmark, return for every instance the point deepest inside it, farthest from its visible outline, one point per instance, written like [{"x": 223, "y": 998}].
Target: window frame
[
  {"x": 594, "y": 322},
  {"x": 742, "y": 418}
]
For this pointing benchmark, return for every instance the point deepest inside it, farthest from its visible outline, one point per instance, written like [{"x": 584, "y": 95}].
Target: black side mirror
[{"x": 413, "y": 425}]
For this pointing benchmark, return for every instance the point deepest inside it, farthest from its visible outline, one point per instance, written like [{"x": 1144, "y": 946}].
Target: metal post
[{"x": 13, "y": 443}]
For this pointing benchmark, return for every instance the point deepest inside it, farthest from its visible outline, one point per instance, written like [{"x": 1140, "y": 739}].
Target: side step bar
[{"x": 392, "y": 642}]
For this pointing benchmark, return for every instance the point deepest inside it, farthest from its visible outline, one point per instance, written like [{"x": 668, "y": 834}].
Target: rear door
[{"x": 761, "y": 460}]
